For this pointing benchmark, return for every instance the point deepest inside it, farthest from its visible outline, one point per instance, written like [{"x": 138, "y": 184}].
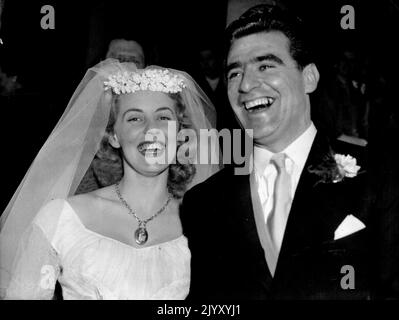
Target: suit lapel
[
  {"x": 244, "y": 212},
  {"x": 306, "y": 224},
  {"x": 303, "y": 226},
  {"x": 315, "y": 213}
]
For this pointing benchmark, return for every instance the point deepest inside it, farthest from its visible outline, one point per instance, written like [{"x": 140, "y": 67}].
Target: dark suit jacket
[{"x": 228, "y": 260}]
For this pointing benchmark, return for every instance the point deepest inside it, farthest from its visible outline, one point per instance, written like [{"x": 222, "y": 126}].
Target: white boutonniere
[
  {"x": 347, "y": 165},
  {"x": 335, "y": 168}
]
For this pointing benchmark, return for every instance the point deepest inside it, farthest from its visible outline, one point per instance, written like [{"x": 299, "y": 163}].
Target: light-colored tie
[{"x": 278, "y": 216}]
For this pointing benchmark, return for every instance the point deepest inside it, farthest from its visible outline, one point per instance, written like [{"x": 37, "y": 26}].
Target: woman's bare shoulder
[{"x": 95, "y": 201}]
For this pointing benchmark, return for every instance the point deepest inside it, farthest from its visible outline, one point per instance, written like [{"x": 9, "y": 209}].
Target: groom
[{"x": 298, "y": 226}]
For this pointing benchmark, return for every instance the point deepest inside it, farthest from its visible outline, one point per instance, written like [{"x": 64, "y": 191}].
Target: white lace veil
[{"x": 66, "y": 155}]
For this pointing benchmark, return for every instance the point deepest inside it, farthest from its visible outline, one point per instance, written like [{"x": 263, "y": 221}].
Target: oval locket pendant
[{"x": 141, "y": 235}]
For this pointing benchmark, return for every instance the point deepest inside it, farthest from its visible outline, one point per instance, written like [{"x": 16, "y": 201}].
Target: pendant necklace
[{"x": 141, "y": 233}]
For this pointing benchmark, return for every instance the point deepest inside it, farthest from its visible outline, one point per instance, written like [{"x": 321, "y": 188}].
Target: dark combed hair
[
  {"x": 180, "y": 175},
  {"x": 266, "y": 18}
]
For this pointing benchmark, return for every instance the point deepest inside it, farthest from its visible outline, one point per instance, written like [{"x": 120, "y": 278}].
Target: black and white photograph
[{"x": 214, "y": 152}]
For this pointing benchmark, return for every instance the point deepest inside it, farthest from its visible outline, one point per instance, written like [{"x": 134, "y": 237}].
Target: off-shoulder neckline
[{"x": 155, "y": 245}]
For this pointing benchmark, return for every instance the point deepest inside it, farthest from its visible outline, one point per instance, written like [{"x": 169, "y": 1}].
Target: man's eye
[
  {"x": 264, "y": 67},
  {"x": 232, "y": 75}
]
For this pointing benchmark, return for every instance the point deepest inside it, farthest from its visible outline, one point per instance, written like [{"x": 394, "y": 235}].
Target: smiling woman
[
  {"x": 136, "y": 116},
  {"x": 123, "y": 241}
]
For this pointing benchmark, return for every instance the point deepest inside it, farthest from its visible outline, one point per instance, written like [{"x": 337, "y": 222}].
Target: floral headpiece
[{"x": 150, "y": 79}]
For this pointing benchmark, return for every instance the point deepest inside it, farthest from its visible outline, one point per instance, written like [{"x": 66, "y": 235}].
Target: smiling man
[
  {"x": 299, "y": 225},
  {"x": 267, "y": 89}
]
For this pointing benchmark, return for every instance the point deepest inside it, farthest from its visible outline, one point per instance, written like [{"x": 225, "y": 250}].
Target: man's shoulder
[
  {"x": 211, "y": 198},
  {"x": 223, "y": 178},
  {"x": 215, "y": 186}
]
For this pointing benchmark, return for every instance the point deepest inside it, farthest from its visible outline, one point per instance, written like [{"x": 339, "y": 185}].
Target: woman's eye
[
  {"x": 165, "y": 118},
  {"x": 134, "y": 119}
]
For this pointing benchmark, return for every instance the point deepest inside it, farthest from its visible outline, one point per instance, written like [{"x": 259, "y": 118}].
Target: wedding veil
[{"x": 65, "y": 157}]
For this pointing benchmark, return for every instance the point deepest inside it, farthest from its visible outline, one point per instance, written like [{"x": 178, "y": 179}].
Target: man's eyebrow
[
  {"x": 268, "y": 57},
  {"x": 232, "y": 65}
]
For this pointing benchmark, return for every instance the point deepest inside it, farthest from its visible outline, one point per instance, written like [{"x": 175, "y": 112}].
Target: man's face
[
  {"x": 127, "y": 51},
  {"x": 266, "y": 89},
  {"x": 135, "y": 57}
]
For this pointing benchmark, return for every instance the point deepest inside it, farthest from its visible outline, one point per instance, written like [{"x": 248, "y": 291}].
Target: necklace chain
[{"x": 141, "y": 222}]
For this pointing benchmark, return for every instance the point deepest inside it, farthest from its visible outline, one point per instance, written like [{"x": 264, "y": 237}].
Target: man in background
[{"x": 126, "y": 51}]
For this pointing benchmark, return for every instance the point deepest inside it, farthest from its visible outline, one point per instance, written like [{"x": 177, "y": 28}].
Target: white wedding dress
[{"x": 88, "y": 265}]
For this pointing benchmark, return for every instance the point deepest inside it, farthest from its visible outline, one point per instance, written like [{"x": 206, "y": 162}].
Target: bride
[{"x": 123, "y": 241}]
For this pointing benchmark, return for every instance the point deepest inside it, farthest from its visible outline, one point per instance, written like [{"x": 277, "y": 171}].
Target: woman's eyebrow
[
  {"x": 132, "y": 109},
  {"x": 165, "y": 108}
]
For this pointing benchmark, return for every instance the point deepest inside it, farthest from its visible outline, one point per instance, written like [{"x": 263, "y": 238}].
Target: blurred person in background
[{"x": 126, "y": 51}]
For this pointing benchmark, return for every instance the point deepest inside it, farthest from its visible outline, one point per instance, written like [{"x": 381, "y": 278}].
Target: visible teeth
[
  {"x": 254, "y": 103},
  {"x": 151, "y": 146},
  {"x": 259, "y": 102},
  {"x": 270, "y": 100}
]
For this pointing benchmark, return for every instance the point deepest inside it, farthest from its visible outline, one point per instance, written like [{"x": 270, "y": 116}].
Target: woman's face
[{"x": 141, "y": 130}]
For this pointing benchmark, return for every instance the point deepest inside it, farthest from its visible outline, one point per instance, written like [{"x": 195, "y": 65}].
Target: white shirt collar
[{"x": 297, "y": 151}]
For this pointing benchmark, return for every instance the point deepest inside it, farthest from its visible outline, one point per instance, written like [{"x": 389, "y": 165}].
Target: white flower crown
[{"x": 150, "y": 79}]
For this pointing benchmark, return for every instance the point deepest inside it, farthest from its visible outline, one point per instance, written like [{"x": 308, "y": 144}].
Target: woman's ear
[
  {"x": 311, "y": 77},
  {"x": 113, "y": 141}
]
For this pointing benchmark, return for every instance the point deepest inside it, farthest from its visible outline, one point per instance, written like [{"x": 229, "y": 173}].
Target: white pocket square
[{"x": 349, "y": 225}]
